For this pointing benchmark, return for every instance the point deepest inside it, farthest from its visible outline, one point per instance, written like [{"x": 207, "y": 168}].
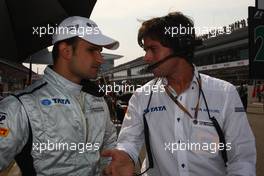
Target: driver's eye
[{"x": 94, "y": 50}]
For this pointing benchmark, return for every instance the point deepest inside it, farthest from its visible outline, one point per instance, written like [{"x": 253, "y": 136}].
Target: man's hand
[{"x": 121, "y": 164}]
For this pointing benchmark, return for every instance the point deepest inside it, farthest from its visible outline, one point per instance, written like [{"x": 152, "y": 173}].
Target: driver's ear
[{"x": 65, "y": 50}]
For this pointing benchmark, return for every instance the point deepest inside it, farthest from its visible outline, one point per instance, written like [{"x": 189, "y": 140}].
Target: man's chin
[
  {"x": 94, "y": 76},
  {"x": 91, "y": 77}
]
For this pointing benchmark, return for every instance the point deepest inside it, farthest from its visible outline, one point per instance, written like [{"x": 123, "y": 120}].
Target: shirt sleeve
[
  {"x": 131, "y": 137},
  {"x": 242, "y": 150},
  {"x": 13, "y": 130}
]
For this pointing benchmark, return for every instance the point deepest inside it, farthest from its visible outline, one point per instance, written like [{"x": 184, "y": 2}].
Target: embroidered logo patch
[
  {"x": 205, "y": 123},
  {"x": 239, "y": 109},
  {"x": 156, "y": 109},
  {"x": 48, "y": 102},
  {"x": 4, "y": 132},
  {"x": 96, "y": 109},
  {"x": 2, "y": 117}
]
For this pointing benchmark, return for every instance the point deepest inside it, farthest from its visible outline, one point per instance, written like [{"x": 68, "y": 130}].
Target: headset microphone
[{"x": 151, "y": 67}]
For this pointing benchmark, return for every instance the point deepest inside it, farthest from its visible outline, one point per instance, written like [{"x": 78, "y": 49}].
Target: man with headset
[{"x": 192, "y": 124}]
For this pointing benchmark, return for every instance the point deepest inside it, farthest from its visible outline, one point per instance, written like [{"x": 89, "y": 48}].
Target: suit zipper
[{"x": 85, "y": 123}]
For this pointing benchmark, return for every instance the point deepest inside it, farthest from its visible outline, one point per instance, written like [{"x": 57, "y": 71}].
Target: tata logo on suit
[{"x": 48, "y": 102}]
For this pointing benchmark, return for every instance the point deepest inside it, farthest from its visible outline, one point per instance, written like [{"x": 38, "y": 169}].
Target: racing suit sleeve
[
  {"x": 242, "y": 150},
  {"x": 14, "y": 130},
  {"x": 131, "y": 137}
]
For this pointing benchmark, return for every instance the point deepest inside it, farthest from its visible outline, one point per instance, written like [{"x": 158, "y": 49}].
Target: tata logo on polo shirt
[
  {"x": 48, "y": 102},
  {"x": 155, "y": 109}
]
